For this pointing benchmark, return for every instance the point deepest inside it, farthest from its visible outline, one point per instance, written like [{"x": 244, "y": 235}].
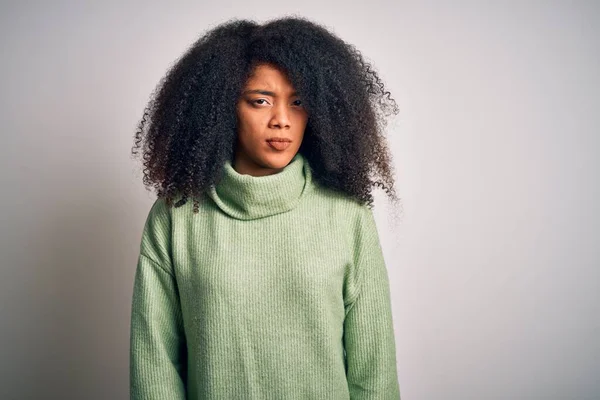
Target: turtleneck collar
[{"x": 247, "y": 197}]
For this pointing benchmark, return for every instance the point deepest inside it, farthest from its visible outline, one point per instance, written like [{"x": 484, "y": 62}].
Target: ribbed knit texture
[{"x": 277, "y": 289}]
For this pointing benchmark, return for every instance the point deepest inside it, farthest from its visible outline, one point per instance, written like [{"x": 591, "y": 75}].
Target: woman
[{"x": 260, "y": 274}]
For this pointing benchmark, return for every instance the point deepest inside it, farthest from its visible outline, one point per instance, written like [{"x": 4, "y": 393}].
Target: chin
[{"x": 277, "y": 160}]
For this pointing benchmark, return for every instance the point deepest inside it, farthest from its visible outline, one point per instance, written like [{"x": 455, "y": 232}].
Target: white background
[{"x": 495, "y": 266}]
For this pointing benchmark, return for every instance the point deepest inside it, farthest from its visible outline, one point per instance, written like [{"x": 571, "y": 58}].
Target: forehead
[{"x": 266, "y": 76}]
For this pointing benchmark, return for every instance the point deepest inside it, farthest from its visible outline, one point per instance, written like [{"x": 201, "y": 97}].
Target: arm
[
  {"x": 158, "y": 361},
  {"x": 368, "y": 328}
]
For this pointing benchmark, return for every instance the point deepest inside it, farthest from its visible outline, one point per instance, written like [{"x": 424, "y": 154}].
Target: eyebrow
[{"x": 265, "y": 92}]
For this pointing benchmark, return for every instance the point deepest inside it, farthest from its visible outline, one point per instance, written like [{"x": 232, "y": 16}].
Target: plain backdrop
[{"x": 494, "y": 267}]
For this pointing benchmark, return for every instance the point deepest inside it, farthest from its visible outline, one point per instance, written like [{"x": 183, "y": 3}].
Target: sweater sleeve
[
  {"x": 369, "y": 341},
  {"x": 157, "y": 342}
]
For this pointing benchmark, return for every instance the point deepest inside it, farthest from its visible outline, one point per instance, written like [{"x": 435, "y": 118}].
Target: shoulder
[
  {"x": 357, "y": 217},
  {"x": 159, "y": 215},
  {"x": 157, "y": 232}
]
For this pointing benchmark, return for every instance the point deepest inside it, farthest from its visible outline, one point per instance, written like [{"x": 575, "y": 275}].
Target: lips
[{"x": 279, "y": 143}]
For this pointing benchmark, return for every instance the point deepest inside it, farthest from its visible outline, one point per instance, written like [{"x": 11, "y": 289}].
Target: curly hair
[{"x": 188, "y": 128}]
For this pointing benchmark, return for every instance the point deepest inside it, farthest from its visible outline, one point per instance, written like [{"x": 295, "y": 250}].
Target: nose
[{"x": 280, "y": 117}]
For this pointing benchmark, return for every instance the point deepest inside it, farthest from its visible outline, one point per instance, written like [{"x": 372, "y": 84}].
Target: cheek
[
  {"x": 251, "y": 123},
  {"x": 301, "y": 118},
  {"x": 300, "y": 123},
  {"x": 249, "y": 129}
]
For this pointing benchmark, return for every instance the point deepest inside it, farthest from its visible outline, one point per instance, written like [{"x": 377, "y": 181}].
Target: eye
[
  {"x": 257, "y": 101},
  {"x": 295, "y": 103}
]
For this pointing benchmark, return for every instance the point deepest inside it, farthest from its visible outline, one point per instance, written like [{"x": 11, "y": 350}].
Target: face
[{"x": 271, "y": 121}]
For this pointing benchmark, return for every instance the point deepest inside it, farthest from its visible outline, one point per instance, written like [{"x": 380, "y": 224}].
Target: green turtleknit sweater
[{"x": 276, "y": 289}]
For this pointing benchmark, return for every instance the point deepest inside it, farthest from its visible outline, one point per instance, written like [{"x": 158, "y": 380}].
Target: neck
[
  {"x": 244, "y": 165},
  {"x": 246, "y": 197}
]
